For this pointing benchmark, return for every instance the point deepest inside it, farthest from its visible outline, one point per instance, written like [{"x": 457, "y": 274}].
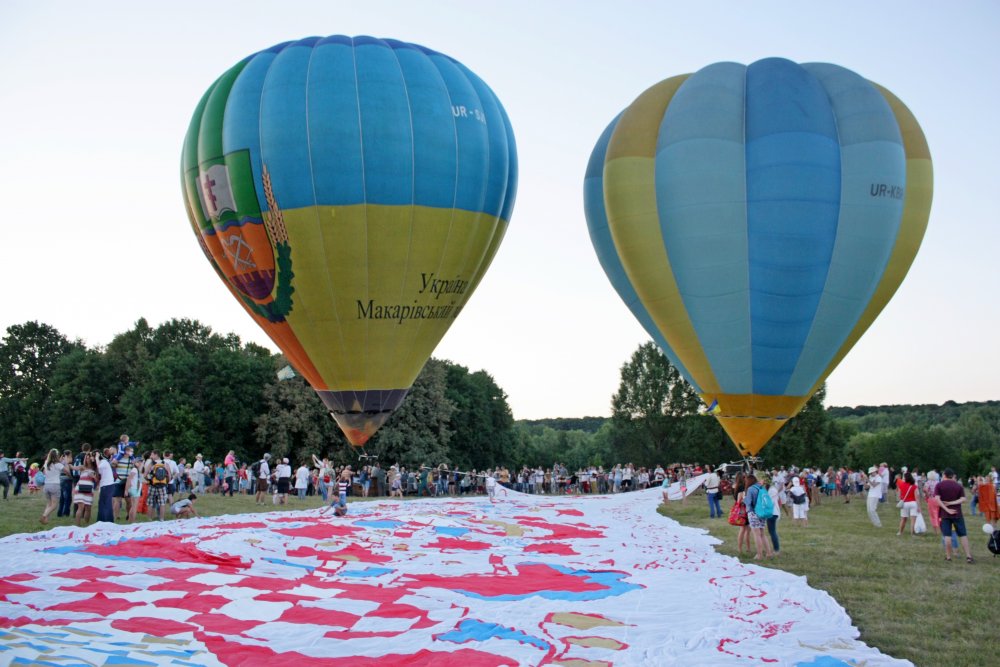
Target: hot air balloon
[
  {"x": 756, "y": 219},
  {"x": 351, "y": 193}
]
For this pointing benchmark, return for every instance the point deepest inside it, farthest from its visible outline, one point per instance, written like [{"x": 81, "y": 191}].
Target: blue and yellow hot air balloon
[
  {"x": 756, "y": 219},
  {"x": 351, "y": 193}
]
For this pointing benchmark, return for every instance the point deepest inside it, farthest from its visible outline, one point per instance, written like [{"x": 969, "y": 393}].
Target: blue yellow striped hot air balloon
[
  {"x": 351, "y": 193},
  {"x": 756, "y": 219}
]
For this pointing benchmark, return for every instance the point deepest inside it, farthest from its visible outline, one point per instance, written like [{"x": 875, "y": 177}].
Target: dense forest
[{"x": 182, "y": 387}]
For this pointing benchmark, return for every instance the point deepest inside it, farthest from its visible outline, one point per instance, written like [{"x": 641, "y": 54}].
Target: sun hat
[{"x": 872, "y": 470}]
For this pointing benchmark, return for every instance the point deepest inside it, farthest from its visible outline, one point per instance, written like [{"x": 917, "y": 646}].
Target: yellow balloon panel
[
  {"x": 752, "y": 419},
  {"x": 393, "y": 280}
]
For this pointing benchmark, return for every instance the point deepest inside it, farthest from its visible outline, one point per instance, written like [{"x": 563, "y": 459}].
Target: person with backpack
[
  {"x": 159, "y": 479},
  {"x": 757, "y": 500},
  {"x": 772, "y": 521}
]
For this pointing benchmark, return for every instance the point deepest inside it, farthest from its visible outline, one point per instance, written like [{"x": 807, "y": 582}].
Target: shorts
[
  {"x": 908, "y": 509},
  {"x": 948, "y": 521},
  {"x": 119, "y": 489},
  {"x": 157, "y": 496},
  {"x": 171, "y": 489},
  {"x": 755, "y": 521},
  {"x": 51, "y": 493}
]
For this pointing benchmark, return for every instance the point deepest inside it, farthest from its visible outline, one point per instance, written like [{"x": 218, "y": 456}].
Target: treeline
[
  {"x": 182, "y": 387},
  {"x": 655, "y": 420}
]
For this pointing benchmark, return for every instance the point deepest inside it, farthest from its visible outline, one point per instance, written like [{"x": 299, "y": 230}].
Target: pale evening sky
[{"x": 95, "y": 99}]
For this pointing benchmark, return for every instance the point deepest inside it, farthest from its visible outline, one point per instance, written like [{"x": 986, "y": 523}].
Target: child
[{"x": 185, "y": 507}]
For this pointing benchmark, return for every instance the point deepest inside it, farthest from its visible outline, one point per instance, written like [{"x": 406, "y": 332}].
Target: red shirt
[{"x": 907, "y": 492}]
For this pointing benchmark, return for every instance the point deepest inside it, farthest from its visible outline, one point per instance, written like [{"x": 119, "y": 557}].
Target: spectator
[
  {"x": 907, "y": 490},
  {"x": 185, "y": 507},
  {"x": 86, "y": 483},
  {"x": 951, "y": 496},
  {"x": 800, "y": 503},
  {"x": 105, "y": 505},
  {"x": 876, "y": 489},
  {"x": 52, "y": 469}
]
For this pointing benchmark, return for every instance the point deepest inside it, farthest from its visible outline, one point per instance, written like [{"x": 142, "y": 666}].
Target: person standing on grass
[
  {"x": 52, "y": 469},
  {"x": 301, "y": 481},
  {"x": 875, "y": 491},
  {"x": 283, "y": 474},
  {"x": 772, "y": 521},
  {"x": 105, "y": 498},
  {"x": 712, "y": 491},
  {"x": 907, "y": 489},
  {"x": 987, "y": 494},
  {"x": 199, "y": 473},
  {"x": 86, "y": 484},
  {"x": 66, "y": 485},
  {"x": 229, "y": 474},
  {"x": 951, "y": 496},
  {"x": 159, "y": 482},
  {"x": 933, "y": 505},
  {"x": 800, "y": 502},
  {"x": 263, "y": 474},
  {"x": 754, "y": 521}
]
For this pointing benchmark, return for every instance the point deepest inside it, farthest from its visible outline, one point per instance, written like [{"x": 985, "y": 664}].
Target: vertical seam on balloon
[
  {"x": 384, "y": 396},
  {"x": 419, "y": 325},
  {"x": 833, "y": 248},
  {"x": 364, "y": 205},
  {"x": 746, "y": 226},
  {"x": 454, "y": 192},
  {"x": 319, "y": 220}
]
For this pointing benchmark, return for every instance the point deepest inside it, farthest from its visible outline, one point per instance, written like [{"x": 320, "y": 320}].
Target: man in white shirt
[
  {"x": 712, "y": 491},
  {"x": 875, "y": 490},
  {"x": 105, "y": 504},
  {"x": 199, "y": 474}
]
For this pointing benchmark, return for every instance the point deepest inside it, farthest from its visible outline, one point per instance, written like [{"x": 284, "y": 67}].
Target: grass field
[
  {"x": 902, "y": 595},
  {"x": 899, "y": 591}
]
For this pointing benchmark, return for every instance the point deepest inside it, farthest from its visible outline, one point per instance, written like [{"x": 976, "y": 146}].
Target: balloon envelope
[
  {"x": 756, "y": 219},
  {"x": 351, "y": 192}
]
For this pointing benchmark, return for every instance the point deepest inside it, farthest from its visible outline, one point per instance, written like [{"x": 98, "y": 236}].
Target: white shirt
[
  {"x": 875, "y": 486},
  {"x": 283, "y": 470},
  {"x": 302, "y": 478},
  {"x": 712, "y": 482},
  {"x": 265, "y": 470},
  {"x": 199, "y": 467},
  {"x": 106, "y": 473}
]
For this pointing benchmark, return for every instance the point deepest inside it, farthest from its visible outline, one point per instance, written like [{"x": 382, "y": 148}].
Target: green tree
[
  {"x": 646, "y": 410},
  {"x": 83, "y": 405},
  {"x": 482, "y": 424},
  {"x": 295, "y": 423},
  {"x": 29, "y": 353},
  {"x": 810, "y": 438},
  {"x": 418, "y": 433}
]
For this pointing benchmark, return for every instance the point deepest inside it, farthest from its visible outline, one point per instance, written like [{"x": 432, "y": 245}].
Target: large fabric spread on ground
[{"x": 529, "y": 580}]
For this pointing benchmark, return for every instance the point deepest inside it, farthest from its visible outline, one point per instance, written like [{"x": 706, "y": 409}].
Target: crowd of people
[
  {"x": 761, "y": 498},
  {"x": 123, "y": 483},
  {"x": 115, "y": 479}
]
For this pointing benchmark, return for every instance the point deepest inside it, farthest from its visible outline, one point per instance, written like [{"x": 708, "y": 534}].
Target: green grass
[
  {"x": 899, "y": 591},
  {"x": 902, "y": 595}
]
